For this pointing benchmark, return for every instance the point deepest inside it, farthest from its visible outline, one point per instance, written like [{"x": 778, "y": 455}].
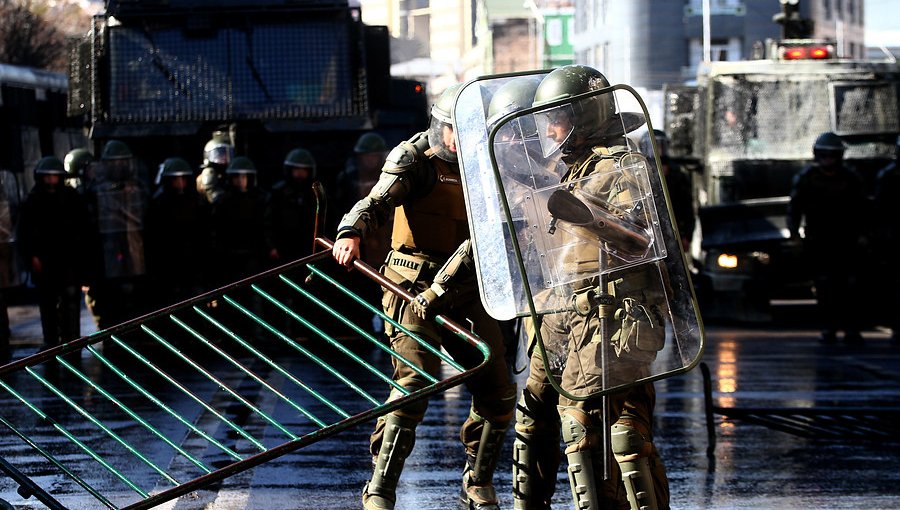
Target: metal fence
[{"x": 171, "y": 402}]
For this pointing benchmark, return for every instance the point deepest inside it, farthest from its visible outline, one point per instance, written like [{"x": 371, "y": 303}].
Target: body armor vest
[{"x": 436, "y": 222}]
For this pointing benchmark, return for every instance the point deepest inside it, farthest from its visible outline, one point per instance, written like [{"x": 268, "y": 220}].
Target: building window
[
  {"x": 554, "y": 31},
  {"x": 720, "y": 49},
  {"x": 716, "y": 7},
  {"x": 826, "y": 8}
]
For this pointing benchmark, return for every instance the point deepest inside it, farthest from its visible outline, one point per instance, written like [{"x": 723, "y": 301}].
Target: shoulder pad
[{"x": 406, "y": 155}]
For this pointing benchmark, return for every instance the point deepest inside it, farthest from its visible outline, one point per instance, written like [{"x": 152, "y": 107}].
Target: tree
[{"x": 27, "y": 38}]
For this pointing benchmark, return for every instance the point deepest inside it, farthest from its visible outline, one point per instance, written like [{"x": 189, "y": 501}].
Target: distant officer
[
  {"x": 54, "y": 234},
  {"x": 117, "y": 197},
  {"x": 887, "y": 216},
  {"x": 359, "y": 175},
  {"x": 828, "y": 201},
  {"x": 353, "y": 183},
  {"x": 678, "y": 182},
  {"x": 11, "y": 274},
  {"x": 431, "y": 257},
  {"x": 177, "y": 235},
  {"x": 237, "y": 219},
  {"x": 217, "y": 155},
  {"x": 291, "y": 211}
]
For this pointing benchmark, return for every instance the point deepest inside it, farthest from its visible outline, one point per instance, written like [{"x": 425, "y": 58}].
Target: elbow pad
[{"x": 458, "y": 267}]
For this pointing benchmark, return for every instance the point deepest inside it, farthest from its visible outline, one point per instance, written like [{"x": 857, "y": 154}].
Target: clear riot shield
[
  {"x": 121, "y": 203},
  {"x": 573, "y": 224}
]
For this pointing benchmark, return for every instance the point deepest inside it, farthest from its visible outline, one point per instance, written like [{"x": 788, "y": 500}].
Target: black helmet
[
  {"x": 76, "y": 162},
  {"x": 300, "y": 157},
  {"x": 241, "y": 165},
  {"x": 370, "y": 142},
  {"x": 588, "y": 117},
  {"x": 829, "y": 144},
  {"x": 441, "y": 116},
  {"x": 218, "y": 150},
  {"x": 514, "y": 95},
  {"x": 115, "y": 150},
  {"x": 175, "y": 167},
  {"x": 49, "y": 165}
]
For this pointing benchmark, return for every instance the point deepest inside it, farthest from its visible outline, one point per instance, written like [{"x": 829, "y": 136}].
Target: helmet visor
[
  {"x": 554, "y": 127},
  {"x": 442, "y": 140},
  {"x": 220, "y": 154}
]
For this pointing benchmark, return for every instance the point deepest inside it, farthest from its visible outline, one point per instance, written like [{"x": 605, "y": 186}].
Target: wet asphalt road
[{"x": 755, "y": 467}]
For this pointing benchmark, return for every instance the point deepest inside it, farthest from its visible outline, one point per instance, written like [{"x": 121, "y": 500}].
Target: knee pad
[
  {"x": 630, "y": 440},
  {"x": 398, "y": 439},
  {"x": 632, "y": 448},
  {"x": 582, "y": 443},
  {"x": 578, "y": 432}
]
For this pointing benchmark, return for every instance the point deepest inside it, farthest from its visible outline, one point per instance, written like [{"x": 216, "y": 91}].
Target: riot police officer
[
  {"x": 217, "y": 155},
  {"x": 11, "y": 275},
  {"x": 291, "y": 210},
  {"x": 625, "y": 309},
  {"x": 828, "y": 201},
  {"x": 359, "y": 175},
  {"x": 54, "y": 229},
  {"x": 177, "y": 235},
  {"x": 887, "y": 214},
  {"x": 678, "y": 182},
  {"x": 117, "y": 198},
  {"x": 237, "y": 218},
  {"x": 430, "y": 255},
  {"x": 353, "y": 183}
]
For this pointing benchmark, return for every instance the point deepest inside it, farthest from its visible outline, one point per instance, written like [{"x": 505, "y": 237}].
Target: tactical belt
[
  {"x": 587, "y": 295},
  {"x": 419, "y": 264}
]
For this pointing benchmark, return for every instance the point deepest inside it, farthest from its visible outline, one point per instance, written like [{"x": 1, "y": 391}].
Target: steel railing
[{"x": 173, "y": 401}]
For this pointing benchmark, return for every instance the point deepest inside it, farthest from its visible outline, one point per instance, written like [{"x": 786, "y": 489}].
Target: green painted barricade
[{"x": 176, "y": 400}]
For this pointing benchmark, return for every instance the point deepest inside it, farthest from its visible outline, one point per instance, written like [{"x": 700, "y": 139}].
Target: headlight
[{"x": 727, "y": 261}]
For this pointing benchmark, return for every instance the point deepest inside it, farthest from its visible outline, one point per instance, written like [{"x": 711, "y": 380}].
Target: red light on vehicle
[
  {"x": 418, "y": 88},
  {"x": 794, "y": 53},
  {"x": 819, "y": 52}
]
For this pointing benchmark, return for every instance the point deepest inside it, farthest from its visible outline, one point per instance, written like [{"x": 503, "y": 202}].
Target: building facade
[
  {"x": 648, "y": 43},
  {"x": 470, "y": 38}
]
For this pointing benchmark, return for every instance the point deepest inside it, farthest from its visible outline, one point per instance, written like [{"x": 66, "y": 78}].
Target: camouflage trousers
[
  {"x": 562, "y": 335},
  {"x": 492, "y": 389}
]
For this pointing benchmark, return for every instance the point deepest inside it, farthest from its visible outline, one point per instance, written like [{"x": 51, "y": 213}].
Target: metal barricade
[{"x": 171, "y": 402}]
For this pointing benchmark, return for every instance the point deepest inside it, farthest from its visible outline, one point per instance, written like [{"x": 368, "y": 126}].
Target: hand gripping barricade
[
  {"x": 207, "y": 388},
  {"x": 570, "y": 222}
]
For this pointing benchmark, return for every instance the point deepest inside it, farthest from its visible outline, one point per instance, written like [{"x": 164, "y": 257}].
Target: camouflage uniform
[
  {"x": 430, "y": 222},
  {"x": 576, "y": 335}
]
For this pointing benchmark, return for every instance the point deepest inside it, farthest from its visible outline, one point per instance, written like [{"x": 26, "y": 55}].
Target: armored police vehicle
[
  {"x": 163, "y": 75},
  {"x": 750, "y": 127}
]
